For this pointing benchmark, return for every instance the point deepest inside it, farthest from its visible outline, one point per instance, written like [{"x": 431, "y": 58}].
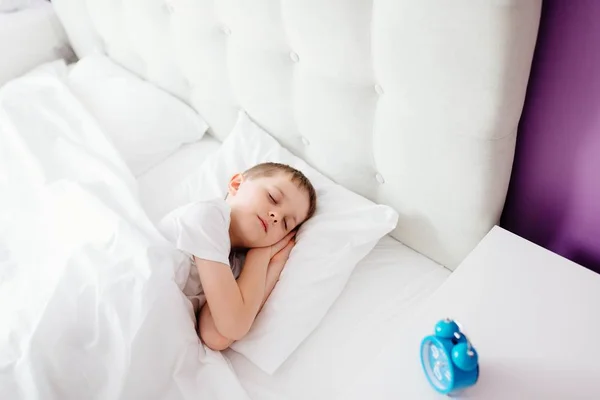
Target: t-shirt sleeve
[{"x": 200, "y": 229}]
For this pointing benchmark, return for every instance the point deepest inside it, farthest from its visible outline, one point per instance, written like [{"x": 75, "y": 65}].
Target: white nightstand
[{"x": 533, "y": 316}]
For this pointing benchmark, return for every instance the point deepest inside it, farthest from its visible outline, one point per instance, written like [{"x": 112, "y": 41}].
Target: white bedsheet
[{"x": 90, "y": 305}]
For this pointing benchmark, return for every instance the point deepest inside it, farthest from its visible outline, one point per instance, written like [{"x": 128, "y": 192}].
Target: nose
[{"x": 274, "y": 215}]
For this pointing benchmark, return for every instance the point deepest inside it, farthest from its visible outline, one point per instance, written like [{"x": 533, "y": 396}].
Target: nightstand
[{"x": 533, "y": 316}]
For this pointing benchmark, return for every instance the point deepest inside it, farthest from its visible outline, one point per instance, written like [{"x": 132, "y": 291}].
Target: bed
[
  {"x": 414, "y": 105},
  {"x": 388, "y": 282}
]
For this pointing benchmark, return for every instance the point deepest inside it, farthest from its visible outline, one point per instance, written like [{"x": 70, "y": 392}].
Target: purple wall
[{"x": 554, "y": 195}]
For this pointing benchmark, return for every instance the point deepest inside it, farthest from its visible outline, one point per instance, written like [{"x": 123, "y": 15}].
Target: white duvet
[{"x": 90, "y": 302}]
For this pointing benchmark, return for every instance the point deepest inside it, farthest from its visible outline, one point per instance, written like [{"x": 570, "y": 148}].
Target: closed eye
[{"x": 272, "y": 199}]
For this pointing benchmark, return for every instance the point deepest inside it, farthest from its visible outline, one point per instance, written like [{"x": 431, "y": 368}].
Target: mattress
[{"x": 385, "y": 285}]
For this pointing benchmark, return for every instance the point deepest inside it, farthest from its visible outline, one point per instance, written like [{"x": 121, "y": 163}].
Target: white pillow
[
  {"x": 344, "y": 229},
  {"x": 146, "y": 124}
]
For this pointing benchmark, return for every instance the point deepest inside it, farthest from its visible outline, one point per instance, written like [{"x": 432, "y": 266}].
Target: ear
[{"x": 234, "y": 184}]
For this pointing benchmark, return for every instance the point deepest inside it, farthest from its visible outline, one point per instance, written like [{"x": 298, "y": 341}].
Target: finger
[
  {"x": 277, "y": 247},
  {"x": 288, "y": 247},
  {"x": 289, "y": 236},
  {"x": 285, "y": 252},
  {"x": 283, "y": 242}
]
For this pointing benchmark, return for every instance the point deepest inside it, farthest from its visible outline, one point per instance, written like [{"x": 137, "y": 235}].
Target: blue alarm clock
[{"x": 448, "y": 358}]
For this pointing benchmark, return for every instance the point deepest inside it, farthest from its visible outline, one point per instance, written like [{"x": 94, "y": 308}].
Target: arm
[
  {"x": 209, "y": 333},
  {"x": 234, "y": 305},
  {"x": 276, "y": 265},
  {"x": 207, "y": 329}
]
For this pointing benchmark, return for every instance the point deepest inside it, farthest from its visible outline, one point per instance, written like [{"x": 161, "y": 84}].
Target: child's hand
[
  {"x": 282, "y": 255},
  {"x": 277, "y": 247},
  {"x": 269, "y": 252},
  {"x": 275, "y": 267}
]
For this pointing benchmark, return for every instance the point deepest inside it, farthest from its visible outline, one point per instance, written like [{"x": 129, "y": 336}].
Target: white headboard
[{"x": 410, "y": 103}]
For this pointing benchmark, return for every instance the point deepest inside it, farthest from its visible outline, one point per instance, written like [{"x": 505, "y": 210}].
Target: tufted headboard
[{"x": 410, "y": 103}]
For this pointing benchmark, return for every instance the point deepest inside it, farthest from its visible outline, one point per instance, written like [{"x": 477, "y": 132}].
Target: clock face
[{"x": 437, "y": 365}]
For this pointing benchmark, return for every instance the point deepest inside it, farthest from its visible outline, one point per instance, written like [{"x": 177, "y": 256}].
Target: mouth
[{"x": 264, "y": 224}]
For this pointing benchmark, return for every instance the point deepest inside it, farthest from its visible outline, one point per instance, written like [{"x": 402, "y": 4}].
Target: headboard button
[
  {"x": 378, "y": 89},
  {"x": 379, "y": 178},
  {"x": 226, "y": 30},
  {"x": 294, "y": 56},
  {"x": 305, "y": 141}
]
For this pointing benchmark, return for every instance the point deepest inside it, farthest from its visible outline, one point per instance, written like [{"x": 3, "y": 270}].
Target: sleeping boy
[{"x": 239, "y": 246}]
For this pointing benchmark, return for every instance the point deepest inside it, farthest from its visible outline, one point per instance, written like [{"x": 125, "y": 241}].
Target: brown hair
[{"x": 268, "y": 169}]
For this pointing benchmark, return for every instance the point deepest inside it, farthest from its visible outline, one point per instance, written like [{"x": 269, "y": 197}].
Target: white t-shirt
[{"x": 201, "y": 229}]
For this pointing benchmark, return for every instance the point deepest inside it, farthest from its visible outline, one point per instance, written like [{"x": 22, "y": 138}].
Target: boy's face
[{"x": 264, "y": 210}]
